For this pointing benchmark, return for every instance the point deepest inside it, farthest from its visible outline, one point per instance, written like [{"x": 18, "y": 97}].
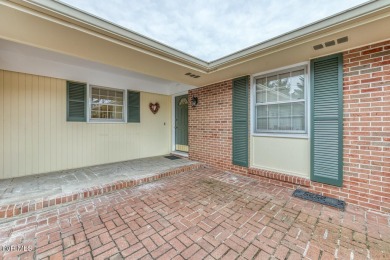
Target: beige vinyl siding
[
  {"x": 281, "y": 154},
  {"x": 6, "y": 124},
  {"x": 36, "y": 138}
]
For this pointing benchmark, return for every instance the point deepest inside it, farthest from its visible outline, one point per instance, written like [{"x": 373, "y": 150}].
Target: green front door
[{"x": 181, "y": 123}]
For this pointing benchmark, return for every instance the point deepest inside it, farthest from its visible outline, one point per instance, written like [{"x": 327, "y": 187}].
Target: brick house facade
[
  {"x": 83, "y": 98},
  {"x": 209, "y": 126},
  {"x": 366, "y": 123}
]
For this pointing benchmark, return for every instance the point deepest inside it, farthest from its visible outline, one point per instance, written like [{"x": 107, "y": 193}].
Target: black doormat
[
  {"x": 319, "y": 198},
  {"x": 172, "y": 157}
]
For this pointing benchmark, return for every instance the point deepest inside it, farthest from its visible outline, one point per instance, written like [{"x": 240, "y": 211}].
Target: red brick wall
[
  {"x": 210, "y": 126},
  {"x": 367, "y": 127},
  {"x": 366, "y": 131}
]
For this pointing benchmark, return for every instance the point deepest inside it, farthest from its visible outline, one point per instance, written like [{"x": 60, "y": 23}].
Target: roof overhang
[{"x": 60, "y": 28}]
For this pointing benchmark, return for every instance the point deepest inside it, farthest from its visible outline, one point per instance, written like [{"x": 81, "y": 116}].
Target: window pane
[
  {"x": 284, "y": 87},
  {"x": 95, "y": 107},
  {"x": 118, "y": 115},
  {"x": 260, "y": 96},
  {"x": 262, "y": 117},
  {"x": 262, "y": 111},
  {"x": 262, "y": 124},
  {"x": 111, "y": 112},
  {"x": 103, "y": 92},
  {"x": 119, "y": 101},
  {"x": 261, "y": 89},
  {"x": 261, "y": 84},
  {"x": 297, "y": 85},
  {"x": 106, "y": 104},
  {"x": 102, "y": 100},
  {"x": 285, "y": 116},
  {"x": 95, "y": 98},
  {"x": 272, "y": 86},
  {"x": 95, "y": 111},
  {"x": 298, "y": 116},
  {"x": 273, "y": 117},
  {"x": 298, "y": 108}
]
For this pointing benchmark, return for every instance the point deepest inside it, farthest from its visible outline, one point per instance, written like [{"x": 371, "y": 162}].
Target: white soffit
[{"x": 31, "y": 60}]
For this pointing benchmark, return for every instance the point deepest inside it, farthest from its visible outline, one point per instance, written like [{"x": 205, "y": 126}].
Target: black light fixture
[{"x": 194, "y": 101}]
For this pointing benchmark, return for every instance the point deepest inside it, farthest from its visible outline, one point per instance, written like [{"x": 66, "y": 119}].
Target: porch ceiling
[
  {"x": 53, "y": 26},
  {"x": 23, "y": 58}
]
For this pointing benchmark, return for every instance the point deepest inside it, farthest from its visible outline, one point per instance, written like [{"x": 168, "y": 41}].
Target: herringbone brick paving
[{"x": 202, "y": 214}]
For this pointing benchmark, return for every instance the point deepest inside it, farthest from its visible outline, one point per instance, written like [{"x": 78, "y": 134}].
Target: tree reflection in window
[{"x": 107, "y": 104}]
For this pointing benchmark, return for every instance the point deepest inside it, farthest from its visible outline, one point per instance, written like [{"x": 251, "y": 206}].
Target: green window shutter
[
  {"x": 240, "y": 121},
  {"x": 133, "y": 107},
  {"x": 76, "y": 96},
  {"x": 327, "y": 120}
]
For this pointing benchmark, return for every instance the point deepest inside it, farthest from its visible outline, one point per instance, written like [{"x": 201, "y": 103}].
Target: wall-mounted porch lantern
[{"x": 194, "y": 101}]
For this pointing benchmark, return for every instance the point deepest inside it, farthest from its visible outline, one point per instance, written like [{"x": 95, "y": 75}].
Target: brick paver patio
[
  {"x": 200, "y": 214},
  {"x": 26, "y": 194},
  {"x": 64, "y": 182}
]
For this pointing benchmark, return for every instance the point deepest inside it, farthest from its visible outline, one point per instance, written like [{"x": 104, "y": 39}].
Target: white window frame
[
  {"x": 106, "y": 121},
  {"x": 290, "y": 134}
]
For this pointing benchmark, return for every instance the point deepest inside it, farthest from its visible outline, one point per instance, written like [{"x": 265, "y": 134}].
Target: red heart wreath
[{"x": 154, "y": 107}]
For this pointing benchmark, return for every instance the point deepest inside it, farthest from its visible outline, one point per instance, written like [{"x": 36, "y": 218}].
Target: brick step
[{"x": 13, "y": 210}]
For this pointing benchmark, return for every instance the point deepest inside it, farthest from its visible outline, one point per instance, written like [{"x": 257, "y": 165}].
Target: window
[
  {"x": 107, "y": 104},
  {"x": 280, "y": 103},
  {"x": 183, "y": 102}
]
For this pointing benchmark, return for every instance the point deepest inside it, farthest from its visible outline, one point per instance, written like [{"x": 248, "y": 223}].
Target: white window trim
[
  {"x": 104, "y": 121},
  {"x": 252, "y": 111}
]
